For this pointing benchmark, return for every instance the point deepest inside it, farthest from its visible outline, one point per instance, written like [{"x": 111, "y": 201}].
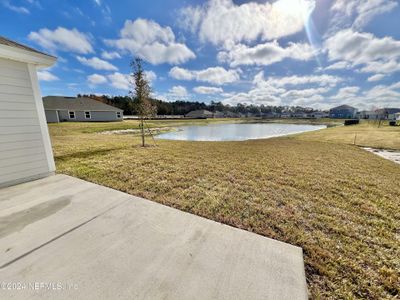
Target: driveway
[{"x": 65, "y": 238}]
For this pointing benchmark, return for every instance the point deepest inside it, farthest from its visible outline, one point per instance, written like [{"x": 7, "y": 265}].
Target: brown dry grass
[
  {"x": 368, "y": 134},
  {"x": 338, "y": 202}
]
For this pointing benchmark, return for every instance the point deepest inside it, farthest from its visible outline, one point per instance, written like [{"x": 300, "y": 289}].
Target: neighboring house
[
  {"x": 343, "y": 112},
  {"x": 25, "y": 149},
  {"x": 199, "y": 114},
  {"x": 300, "y": 115},
  {"x": 318, "y": 115},
  {"x": 81, "y": 109},
  {"x": 270, "y": 115},
  {"x": 387, "y": 113},
  {"x": 218, "y": 114},
  {"x": 367, "y": 115},
  {"x": 286, "y": 115},
  {"x": 397, "y": 116}
]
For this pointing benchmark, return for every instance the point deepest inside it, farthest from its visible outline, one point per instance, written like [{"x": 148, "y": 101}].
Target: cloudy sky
[{"x": 316, "y": 53}]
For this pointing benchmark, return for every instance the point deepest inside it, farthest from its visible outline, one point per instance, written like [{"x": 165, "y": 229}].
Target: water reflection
[{"x": 236, "y": 132}]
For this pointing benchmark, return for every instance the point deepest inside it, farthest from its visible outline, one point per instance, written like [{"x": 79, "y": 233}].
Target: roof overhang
[{"x": 21, "y": 55}]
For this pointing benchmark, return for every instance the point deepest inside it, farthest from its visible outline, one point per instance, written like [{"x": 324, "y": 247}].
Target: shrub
[{"x": 351, "y": 122}]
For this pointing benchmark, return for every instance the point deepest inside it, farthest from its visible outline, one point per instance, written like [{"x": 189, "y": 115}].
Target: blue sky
[{"x": 316, "y": 53}]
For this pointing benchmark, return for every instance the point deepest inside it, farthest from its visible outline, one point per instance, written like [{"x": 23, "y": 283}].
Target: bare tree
[{"x": 141, "y": 94}]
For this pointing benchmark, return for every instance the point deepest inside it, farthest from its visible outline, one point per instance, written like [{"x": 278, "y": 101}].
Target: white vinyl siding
[{"x": 22, "y": 151}]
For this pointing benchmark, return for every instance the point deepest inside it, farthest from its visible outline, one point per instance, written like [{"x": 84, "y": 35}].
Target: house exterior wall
[
  {"x": 96, "y": 116},
  {"x": 51, "y": 116},
  {"x": 342, "y": 113},
  {"x": 25, "y": 152}
]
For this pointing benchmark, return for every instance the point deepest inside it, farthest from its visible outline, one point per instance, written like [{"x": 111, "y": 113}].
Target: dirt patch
[{"x": 153, "y": 131}]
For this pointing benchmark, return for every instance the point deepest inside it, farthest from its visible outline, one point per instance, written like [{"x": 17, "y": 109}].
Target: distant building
[
  {"x": 82, "y": 109},
  {"x": 367, "y": 115},
  {"x": 299, "y": 115},
  {"x": 230, "y": 114},
  {"x": 286, "y": 115},
  {"x": 218, "y": 114},
  {"x": 397, "y": 115},
  {"x": 199, "y": 114},
  {"x": 318, "y": 115},
  {"x": 387, "y": 113},
  {"x": 343, "y": 112},
  {"x": 270, "y": 115}
]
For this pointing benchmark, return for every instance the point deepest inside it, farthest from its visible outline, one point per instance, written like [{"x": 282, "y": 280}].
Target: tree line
[{"x": 130, "y": 106}]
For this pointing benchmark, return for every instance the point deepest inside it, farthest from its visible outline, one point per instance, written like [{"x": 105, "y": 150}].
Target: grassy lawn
[
  {"x": 314, "y": 190},
  {"x": 366, "y": 134}
]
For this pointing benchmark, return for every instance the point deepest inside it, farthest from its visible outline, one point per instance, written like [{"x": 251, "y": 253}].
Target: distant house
[
  {"x": 367, "y": 115},
  {"x": 269, "y": 115},
  {"x": 218, "y": 114},
  {"x": 387, "y": 113},
  {"x": 199, "y": 114},
  {"x": 318, "y": 115},
  {"x": 397, "y": 115},
  {"x": 81, "y": 109},
  {"x": 343, "y": 112},
  {"x": 231, "y": 114},
  {"x": 299, "y": 115},
  {"x": 286, "y": 115}
]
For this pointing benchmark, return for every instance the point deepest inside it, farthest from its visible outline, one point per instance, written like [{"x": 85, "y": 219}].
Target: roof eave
[{"x": 21, "y": 55}]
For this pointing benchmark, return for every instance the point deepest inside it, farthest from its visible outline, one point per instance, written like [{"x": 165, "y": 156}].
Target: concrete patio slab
[{"x": 64, "y": 238}]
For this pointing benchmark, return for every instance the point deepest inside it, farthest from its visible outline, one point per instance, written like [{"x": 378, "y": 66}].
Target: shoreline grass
[{"x": 314, "y": 190}]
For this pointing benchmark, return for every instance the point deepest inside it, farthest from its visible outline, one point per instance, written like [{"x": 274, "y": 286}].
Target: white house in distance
[
  {"x": 80, "y": 109},
  {"x": 25, "y": 148}
]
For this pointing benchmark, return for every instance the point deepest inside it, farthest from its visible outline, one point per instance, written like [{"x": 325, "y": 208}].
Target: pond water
[{"x": 236, "y": 132}]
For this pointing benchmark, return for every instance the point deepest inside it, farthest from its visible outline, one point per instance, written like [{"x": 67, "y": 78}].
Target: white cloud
[
  {"x": 97, "y": 63},
  {"x": 214, "y": 75},
  {"x": 206, "y": 90},
  {"x": 309, "y": 91},
  {"x": 110, "y": 55},
  {"x": 151, "y": 76},
  {"x": 360, "y": 12},
  {"x": 340, "y": 65},
  {"x": 96, "y": 79},
  {"x": 62, "y": 39},
  {"x": 18, "y": 9},
  {"x": 320, "y": 80},
  {"x": 150, "y": 41},
  {"x": 379, "y": 55},
  {"x": 346, "y": 93},
  {"x": 265, "y": 54},
  {"x": 124, "y": 81},
  {"x": 377, "y": 96},
  {"x": 377, "y": 77},
  {"x": 387, "y": 67},
  {"x": 305, "y": 93},
  {"x": 120, "y": 81},
  {"x": 46, "y": 76},
  {"x": 222, "y": 22},
  {"x": 360, "y": 48},
  {"x": 178, "y": 92},
  {"x": 181, "y": 74}
]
